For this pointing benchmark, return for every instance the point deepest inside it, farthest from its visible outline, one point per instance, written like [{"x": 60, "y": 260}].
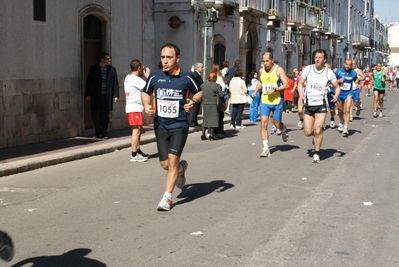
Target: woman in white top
[{"x": 238, "y": 98}]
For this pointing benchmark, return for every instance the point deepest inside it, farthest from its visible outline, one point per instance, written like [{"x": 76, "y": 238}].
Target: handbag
[
  {"x": 220, "y": 104},
  {"x": 249, "y": 99}
]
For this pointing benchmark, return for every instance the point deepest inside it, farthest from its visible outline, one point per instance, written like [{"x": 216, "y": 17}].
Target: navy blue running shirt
[{"x": 171, "y": 93}]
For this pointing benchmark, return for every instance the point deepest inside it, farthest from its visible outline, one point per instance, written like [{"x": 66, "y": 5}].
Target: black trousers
[{"x": 101, "y": 118}]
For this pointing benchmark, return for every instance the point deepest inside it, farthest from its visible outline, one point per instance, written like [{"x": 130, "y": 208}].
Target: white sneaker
[
  {"x": 232, "y": 126},
  {"x": 350, "y": 118},
  {"x": 241, "y": 127},
  {"x": 380, "y": 115},
  {"x": 265, "y": 153},
  {"x": 181, "y": 180},
  {"x": 278, "y": 131},
  {"x": 375, "y": 114},
  {"x": 345, "y": 132},
  {"x": 273, "y": 130},
  {"x": 316, "y": 158},
  {"x": 300, "y": 125},
  {"x": 340, "y": 127},
  {"x": 332, "y": 124},
  {"x": 138, "y": 158},
  {"x": 166, "y": 204}
]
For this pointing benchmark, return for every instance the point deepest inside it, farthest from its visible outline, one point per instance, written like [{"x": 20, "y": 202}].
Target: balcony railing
[
  {"x": 259, "y": 5},
  {"x": 296, "y": 13}
]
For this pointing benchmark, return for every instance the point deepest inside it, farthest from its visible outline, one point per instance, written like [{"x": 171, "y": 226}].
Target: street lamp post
[{"x": 211, "y": 17}]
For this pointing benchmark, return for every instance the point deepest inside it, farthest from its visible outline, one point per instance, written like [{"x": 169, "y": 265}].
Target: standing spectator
[
  {"x": 211, "y": 91},
  {"x": 252, "y": 81},
  {"x": 238, "y": 99},
  {"x": 219, "y": 132},
  {"x": 232, "y": 71},
  {"x": 289, "y": 93},
  {"x": 225, "y": 68},
  {"x": 229, "y": 76},
  {"x": 171, "y": 86},
  {"x": 134, "y": 107},
  {"x": 102, "y": 89},
  {"x": 197, "y": 72}
]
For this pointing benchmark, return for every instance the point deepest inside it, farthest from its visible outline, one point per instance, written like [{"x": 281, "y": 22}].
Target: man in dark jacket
[
  {"x": 198, "y": 70},
  {"x": 102, "y": 89}
]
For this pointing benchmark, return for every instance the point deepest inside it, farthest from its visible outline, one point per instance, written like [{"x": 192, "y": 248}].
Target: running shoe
[
  {"x": 6, "y": 247},
  {"x": 316, "y": 158},
  {"x": 350, "y": 118},
  {"x": 358, "y": 111},
  {"x": 166, "y": 204},
  {"x": 340, "y": 126},
  {"x": 332, "y": 124},
  {"x": 375, "y": 114},
  {"x": 380, "y": 115},
  {"x": 300, "y": 124},
  {"x": 142, "y": 153},
  {"x": 278, "y": 131},
  {"x": 241, "y": 127},
  {"x": 273, "y": 130},
  {"x": 181, "y": 180},
  {"x": 232, "y": 126},
  {"x": 345, "y": 132},
  {"x": 265, "y": 153},
  {"x": 285, "y": 135},
  {"x": 138, "y": 158}
]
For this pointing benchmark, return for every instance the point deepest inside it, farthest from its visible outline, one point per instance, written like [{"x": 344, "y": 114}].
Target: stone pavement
[{"x": 19, "y": 159}]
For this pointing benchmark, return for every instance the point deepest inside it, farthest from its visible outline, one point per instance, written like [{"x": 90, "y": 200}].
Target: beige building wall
[{"x": 41, "y": 79}]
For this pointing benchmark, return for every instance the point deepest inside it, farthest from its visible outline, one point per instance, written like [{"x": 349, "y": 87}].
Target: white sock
[
  {"x": 265, "y": 144},
  {"x": 346, "y": 127},
  {"x": 168, "y": 195}
]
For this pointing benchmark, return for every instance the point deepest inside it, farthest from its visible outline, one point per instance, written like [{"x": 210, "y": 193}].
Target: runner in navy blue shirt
[{"x": 171, "y": 86}]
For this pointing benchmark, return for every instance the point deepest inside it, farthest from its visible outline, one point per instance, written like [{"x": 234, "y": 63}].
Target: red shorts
[{"x": 135, "y": 118}]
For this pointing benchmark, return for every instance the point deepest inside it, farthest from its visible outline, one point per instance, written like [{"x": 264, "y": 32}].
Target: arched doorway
[
  {"x": 94, "y": 29},
  {"x": 249, "y": 66},
  {"x": 92, "y": 47}
]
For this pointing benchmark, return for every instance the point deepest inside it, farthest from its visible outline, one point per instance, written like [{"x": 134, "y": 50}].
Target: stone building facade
[
  {"x": 47, "y": 48},
  {"x": 46, "y": 52}
]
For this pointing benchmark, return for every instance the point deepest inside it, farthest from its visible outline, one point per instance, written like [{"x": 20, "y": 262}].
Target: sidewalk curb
[{"x": 31, "y": 164}]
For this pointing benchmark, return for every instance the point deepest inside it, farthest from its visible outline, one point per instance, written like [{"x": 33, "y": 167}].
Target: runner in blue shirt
[
  {"x": 171, "y": 86},
  {"x": 345, "y": 76}
]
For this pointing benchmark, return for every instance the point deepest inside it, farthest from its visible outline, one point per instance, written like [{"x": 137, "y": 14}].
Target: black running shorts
[
  {"x": 170, "y": 142},
  {"x": 310, "y": 110}
]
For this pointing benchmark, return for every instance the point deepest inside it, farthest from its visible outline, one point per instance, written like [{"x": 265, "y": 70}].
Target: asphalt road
[{"x": 250, "y": 211}]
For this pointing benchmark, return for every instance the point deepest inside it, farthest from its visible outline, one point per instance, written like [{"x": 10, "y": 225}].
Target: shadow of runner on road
[
  {"x": 73, "y": 258},
  {"x": 282, "y": 148},
  {"x": 326, "y": 153},
  {"x": 191, "y": 192}
]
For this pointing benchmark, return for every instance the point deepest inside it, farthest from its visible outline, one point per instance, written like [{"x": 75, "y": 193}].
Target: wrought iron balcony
[{"x": 253, "y": 5}]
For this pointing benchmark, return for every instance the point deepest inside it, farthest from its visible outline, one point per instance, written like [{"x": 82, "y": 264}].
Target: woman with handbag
[
  {"x": 213, "y": 95},
  {"x": 238, "y": 98}
]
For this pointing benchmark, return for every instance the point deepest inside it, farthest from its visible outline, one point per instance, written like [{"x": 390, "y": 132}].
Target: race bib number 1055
[{"x": 168, "y": 108}]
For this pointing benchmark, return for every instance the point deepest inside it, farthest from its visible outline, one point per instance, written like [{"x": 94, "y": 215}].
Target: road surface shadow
[
  {"x": 326, "y": 153},
  {"x": 191, "y": 192},
  {"x": 282, "y": 148},
  {"x": 73, "y": 258}
]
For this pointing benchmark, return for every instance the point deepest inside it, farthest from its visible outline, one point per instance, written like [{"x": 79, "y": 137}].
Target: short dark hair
[
  {"x": 104, "y": 55},
  {"x": 225, "y": 63},
  {"x": 175, "y": 47},
  {"x": 135, "y": 64},
  {"x": 320, "y": 51}
]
